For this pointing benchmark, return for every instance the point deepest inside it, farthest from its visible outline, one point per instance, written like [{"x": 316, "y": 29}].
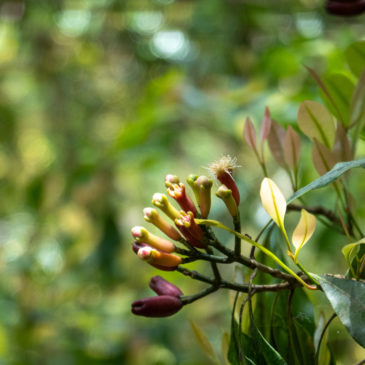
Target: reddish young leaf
[
  {"x": 265, "y": 125},
  {"x": 342, "y": 148},
  {"x": 276, "y": 139},
  {"x": 292, "y": 148},
  {"x": 250, "y": 135},
  {"x": 323, "y": 158}
]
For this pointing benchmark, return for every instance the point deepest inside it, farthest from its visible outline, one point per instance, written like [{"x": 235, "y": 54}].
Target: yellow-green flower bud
[
  {"x": 160, "y": 201},
  {"x": 151, "y": 215},
  {"x": 191, "y": 180},
  {"x": 142, "y": 235},
  {"x": 204, "y": 186},
  {"x": 226, "y": 195}
]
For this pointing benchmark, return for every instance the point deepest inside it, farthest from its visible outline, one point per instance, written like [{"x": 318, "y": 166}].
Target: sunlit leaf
[
  {"x": 250, "y": 135},
  {"x": 303, "y": 231},
  {"x": 204, "y": 343},
  {"x": 265, "y": 125},
  {"x": 323, "y": 158},
  {"x": 276, "y": 139},
  {"x": 315, "y": 121},
  {"x": 355, "y": 56},
  {"x": 350, "y": 252},
  {"x": 292, "y": 148},
  {"x": 347, "y": 297},
  {"x": 273, "y": 201}
]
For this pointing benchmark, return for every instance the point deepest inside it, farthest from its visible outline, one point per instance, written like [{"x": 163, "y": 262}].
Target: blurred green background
[{"x": 99, "y": 100}]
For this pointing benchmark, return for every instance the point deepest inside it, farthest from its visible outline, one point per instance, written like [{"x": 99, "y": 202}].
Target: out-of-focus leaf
[
  {"x": 334, "y": 106},
  {"x": 342, "y": 148},
  {"x": 204, "y": 342},
  {"x": 265, "y": 125},
  {"x": 303, "y": 231},
  {"x": 347, "y": 297},
  {"x": 341, "y": 88},
  {"x": 338, "y": 170},
  {"x": 350, "y": 252},
  {"x": 225, "y": 347},
  {"x": 273, "y": 201},
  {"x": 324, "y": 356},
  {"x": 315, "y": 121},
  {"x": 355, "y": 56},
  {"x": 292, "y": 148},
  {"x": 323, "y": 158},
  {"x": 250, "y": 135},
  {"x": 357, "y": 109},
  {"x": 276, "y": 140}
]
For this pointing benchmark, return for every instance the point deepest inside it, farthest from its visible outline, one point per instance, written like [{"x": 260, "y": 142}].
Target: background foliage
[{"x": 100, "y": 99}]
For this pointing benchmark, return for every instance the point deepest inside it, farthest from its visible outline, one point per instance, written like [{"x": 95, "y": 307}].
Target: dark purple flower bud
[
  {"x": 163, "y": 287},
  {"x": 160, "y": 306},
  {"x": 345, "y": 8}
]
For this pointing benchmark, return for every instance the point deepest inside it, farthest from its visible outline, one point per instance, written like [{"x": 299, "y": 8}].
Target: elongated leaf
[
  {"x": 250, "y": 135},
  {"x": 324, "y": 355},
  {"x": 225, "y": 347},
  {"x": 315, "y": 121},
  {"x": 303, "y": 231},
  {"x": 292, "y": 148},
  {"x": 347, "y": 297},
  {"x": 350, "y": 252},
  {"x": 338, "y": 170},
  {"x": 276, "y": 142},
  {"x": 265, "y": 125},
  {"x": 323, "y": 158},
  {"x": 357, "y": 110},
  {"x": 273, "y": 201},
  {"x": 342, "y": 148},
  {"x": 355, "y": 56},
  {"x": 204, "y": 342}
]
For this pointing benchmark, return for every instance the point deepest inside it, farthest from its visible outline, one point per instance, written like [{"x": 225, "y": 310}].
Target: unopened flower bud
[
  {"x": 161, "y": 259},
  {"x": 190, "y": 230},
  {"x": 163, "y": 287},
  {"x": 151, "y": 215},
  {"x": 222, "y": 169},
  {"x": 160, "y": 306},
  {"x": 160, "y": 201},
  {"x": 137, "y": 246},
  {"x": 204, "y": 186},
  {"x": 345, "y": 8},
  {"x": 177, "y": 191},
  {"x": 171, "y": 179},
  {"x": 142, "y": 235},
  {"x": 191, "y": 180},
  {"x": 226, "y": 195}
]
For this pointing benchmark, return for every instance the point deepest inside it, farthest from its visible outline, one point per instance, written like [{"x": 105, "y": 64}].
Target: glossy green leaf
[
  {"x": 315, "y": 121},
  {"x": 331, "y": 176},
  {"x": 355, "y": 56},
  {"x": 347, "y": 297}
]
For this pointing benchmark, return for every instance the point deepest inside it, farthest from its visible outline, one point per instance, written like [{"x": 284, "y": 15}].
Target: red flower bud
[
  {"x": 163, "y": 287},
  {"x": 190, "y": 230},
  {"x": 160, "y": 306},
  {"x": 342, "y": 8},
  {"x": 177, "y": 191}
]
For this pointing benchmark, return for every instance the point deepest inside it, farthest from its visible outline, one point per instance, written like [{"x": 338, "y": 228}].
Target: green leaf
[
  {"x": 347, "y": 297},
  {"x": 337, "y": 171},
  {"x": 355, "y": 56},
  {"x": 350, "y": 252},
  {"x": 204, "y": 342},
  {"x": 340, "y": 87},
  {"x": 315, "y": 121}
]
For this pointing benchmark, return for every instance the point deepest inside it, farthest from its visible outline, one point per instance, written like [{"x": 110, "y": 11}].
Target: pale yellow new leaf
[
  {"x": 273, "y": 201},
  {"x": 303, "y": 231}
]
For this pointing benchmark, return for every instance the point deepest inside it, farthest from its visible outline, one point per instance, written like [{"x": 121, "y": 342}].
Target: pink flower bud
[
  {"x": 222, "y": 170},
  {"x": 141, "y": 234},
  {"x": 163, "y": 287},
  {"x": 151, "y": 215},
  {"x": 160, "y": 306},
  {"x": 171, "y": 179},
  {"x": 160, "y": 201},
  {"x": 177, "y": 191}
]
